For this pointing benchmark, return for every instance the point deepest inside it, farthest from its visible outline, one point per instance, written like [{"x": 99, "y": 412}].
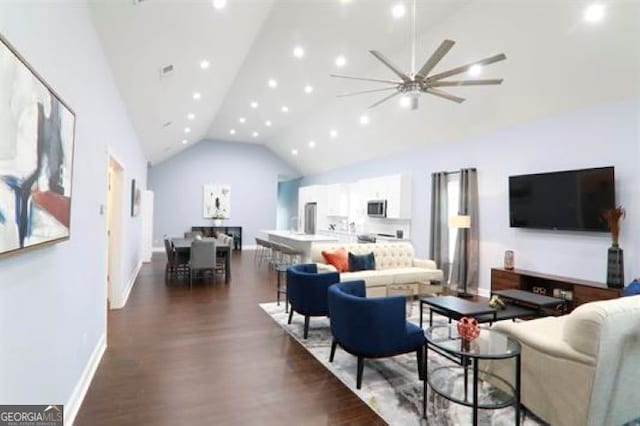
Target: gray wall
[
  {"x": 603, "y": 135},
  {"x": 251, "y": 170},
  {"x": 53, "y": 299}
]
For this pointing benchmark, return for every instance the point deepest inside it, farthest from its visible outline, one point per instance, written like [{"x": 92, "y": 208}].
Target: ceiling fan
[{"x": 412, "y": 84}]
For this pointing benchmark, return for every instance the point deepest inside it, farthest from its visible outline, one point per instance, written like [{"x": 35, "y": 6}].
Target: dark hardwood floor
[{"x": 211, "y": 356}]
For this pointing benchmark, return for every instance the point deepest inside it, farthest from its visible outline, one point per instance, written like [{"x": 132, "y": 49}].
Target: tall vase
[
  {"x": 217, "y": 222},
  {"x": 615, "y": 267}
]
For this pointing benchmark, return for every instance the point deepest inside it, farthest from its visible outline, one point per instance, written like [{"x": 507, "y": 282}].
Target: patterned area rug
[{"x": 390, "y": 386}]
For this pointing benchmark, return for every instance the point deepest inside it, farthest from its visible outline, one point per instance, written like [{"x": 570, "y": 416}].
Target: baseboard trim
[
  {"x": 125, "y": 295},
  {"x": 80, "y": 390}
]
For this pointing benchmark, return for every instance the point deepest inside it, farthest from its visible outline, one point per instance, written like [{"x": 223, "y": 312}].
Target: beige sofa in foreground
[
  {"x": 396, "y": 268},
  {"x": 582, "y": 368}
]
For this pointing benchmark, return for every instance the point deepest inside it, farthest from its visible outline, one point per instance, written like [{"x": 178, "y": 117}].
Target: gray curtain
[
  {"x": 439, "y": 239},
  {"x": 466, "y": 263}
]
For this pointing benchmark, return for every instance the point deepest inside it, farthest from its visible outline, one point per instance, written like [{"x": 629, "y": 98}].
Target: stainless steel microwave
[{"x": 377, "y": 208}]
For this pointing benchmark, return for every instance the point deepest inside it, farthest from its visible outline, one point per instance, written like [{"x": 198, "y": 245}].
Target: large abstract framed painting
[
  {"x": 217, "y": 201},
  {"x": 36, "y": 157}
]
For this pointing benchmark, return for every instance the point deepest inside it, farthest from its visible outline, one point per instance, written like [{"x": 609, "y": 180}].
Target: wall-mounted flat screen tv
[{"x": 572, "y": 200}]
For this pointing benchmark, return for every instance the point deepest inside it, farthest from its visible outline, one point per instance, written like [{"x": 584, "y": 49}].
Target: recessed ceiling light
[
  {"x": 184, "y": 141},
  {"x": 298, "y": 52},
  {"x": 333, "y": 134},
  {"x": 267, "y": 123},
  {"x": 219, "y": 4},
  {"x": 242, "y": 120},
  {"x": 187, "y": 129},
  {"x": 312, "y": 144},
  {"x": 272, "y": 83},
  {"x": 191, "y": 116},
  {"x": 398, "y": 11},
  {"x": 204, "y": 64},
  {"x": 341, "y": 61},
  {"x": 284, "y": 108},
  {"x": 197, "y": 95},
  {"x": 255, "y": 134},
  {"x": 308, "y": 89},
  {"x": 475, "y": 70},
  {"x": 364, "y": 119},
  {"x": 594, "y": 13},
  {"x": 294, "y": 152},
  {"x": 254, "y": 104},
  {"x": 232, "y": 131}
]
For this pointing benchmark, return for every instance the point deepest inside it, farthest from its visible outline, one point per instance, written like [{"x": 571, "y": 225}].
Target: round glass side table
[{"x": 452, "y": 381}]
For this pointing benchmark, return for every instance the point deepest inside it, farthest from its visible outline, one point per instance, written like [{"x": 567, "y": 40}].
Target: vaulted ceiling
[{"x": 556, "y": 61}]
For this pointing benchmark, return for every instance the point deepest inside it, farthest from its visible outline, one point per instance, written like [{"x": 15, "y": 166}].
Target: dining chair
[
  {"x": 203, "y": 257},
  {"x": 170, "y": 267}
]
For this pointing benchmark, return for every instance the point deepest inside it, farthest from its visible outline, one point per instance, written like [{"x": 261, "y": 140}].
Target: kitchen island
[{"x": 299, "y": 241}]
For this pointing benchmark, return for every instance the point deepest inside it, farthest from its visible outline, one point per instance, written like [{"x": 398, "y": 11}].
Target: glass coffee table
[{"x": 452, "y": 381}]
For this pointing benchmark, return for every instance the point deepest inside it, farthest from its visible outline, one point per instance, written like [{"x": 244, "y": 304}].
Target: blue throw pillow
[
  {"x": 632, "y": 289},
  {"x": 364, "y": 262}
]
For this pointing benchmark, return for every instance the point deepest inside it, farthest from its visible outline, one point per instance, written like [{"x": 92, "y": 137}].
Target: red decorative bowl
[{"x": 468, "y": 328}]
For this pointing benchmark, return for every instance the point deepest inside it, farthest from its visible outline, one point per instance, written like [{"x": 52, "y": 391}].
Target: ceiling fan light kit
[{"x": 413, "y": 83}]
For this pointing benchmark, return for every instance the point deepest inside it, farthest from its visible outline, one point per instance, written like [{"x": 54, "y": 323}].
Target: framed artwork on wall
[
  {"x": 37, "y": 130},
  {"x": 135, "y": 199},
  {"x": 217, "y": 201}
]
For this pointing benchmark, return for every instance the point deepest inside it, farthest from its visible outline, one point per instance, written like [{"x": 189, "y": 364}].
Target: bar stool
[
  {"x": 287, "y": 257},
  {"x": 264, "y": 254}
]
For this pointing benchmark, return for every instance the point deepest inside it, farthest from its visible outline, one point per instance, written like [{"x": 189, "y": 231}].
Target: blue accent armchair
[
  {"x": 307, "y": 291},
  {"x": 371, "y": 328}
]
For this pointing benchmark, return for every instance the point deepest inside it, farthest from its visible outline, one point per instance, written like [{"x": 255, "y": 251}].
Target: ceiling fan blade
[
  {"x": 376, "y": 80},
  {"x": 435, "y": 58},
  {"x": 384, "y": 99},
  {"x": 444, "y": 94},
  {"x": 464, "y": 68},
  {"x": 389, "y": 65},
  {"x": 366, "y": 91},
  {"x": 465, "y": 83}
]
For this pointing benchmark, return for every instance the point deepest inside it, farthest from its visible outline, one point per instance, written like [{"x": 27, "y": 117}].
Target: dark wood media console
[{"x": 582, "y": 291}]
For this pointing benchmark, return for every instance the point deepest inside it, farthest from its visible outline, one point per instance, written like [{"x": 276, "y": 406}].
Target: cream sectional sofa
[
  {"x": 582, "y": 368},
  {"x": 396, "y": 268}
]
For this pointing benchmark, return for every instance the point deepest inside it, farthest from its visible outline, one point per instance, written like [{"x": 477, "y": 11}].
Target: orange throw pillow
[{"x": 338, "y": 258}]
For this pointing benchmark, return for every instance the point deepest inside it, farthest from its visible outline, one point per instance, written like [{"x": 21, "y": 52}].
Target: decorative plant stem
[{"x": 613, "y": 218}]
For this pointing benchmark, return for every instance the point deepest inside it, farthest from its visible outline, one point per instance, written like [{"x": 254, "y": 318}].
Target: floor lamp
[{"x": 461, "y": 223}]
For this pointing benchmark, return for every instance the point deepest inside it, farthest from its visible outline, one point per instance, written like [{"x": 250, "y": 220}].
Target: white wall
[
  {"x": 53, "y": 300},
  {"x": 602, "y": 135}
]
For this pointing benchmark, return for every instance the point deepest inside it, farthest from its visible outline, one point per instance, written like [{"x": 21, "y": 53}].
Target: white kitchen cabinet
[
  {"x": 337, "y": 200},
  {"x": 395, "y": 189}
]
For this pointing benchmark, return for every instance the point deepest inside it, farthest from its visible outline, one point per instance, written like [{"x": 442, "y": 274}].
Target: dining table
[{"x": 183, "y": 247}]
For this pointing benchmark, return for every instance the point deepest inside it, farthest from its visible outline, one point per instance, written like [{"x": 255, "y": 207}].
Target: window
[{"x": 453, "y": 198}]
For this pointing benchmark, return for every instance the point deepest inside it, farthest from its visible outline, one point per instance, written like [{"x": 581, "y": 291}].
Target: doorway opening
[{"x": 114, "y": 229}]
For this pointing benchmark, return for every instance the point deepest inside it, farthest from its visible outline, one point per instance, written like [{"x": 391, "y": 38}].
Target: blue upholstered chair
[
  {"x": 307, "y": 291},
  {"x": 371, "y": 328}
]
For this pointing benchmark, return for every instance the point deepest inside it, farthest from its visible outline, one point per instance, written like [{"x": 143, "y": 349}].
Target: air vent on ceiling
[
  {"x": 166, "y": 71},
  {"x": 167, "y": 124},
  {"x": 137, "y": 2}
]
